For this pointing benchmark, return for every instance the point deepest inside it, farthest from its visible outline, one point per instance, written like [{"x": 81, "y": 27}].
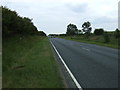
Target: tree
[
  {"x": 72, "y": 29},
  {"x": 99, "y": 31},
  {"x": 87, "y": 27},
  {"x": 80, "y": 32},
  {"x": 117, "y": 33}
]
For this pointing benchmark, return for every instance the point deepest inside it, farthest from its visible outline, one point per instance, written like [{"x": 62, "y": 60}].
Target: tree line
[
  {"x": 86, "y": 30},
  {"x": 86, "y": 33},
  {"x": 14, "y": 25}
]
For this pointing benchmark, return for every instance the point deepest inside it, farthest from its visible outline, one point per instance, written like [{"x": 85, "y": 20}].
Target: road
[{"x": 93, "y": 66}]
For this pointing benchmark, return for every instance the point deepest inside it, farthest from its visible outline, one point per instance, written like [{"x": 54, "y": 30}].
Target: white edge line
[{"x": 72, "y": 76}]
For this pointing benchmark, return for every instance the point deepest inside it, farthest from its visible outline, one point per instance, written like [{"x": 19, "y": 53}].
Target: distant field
[
  {"x": 28, "y": 62},
  {"x": 98, "y": 40}
]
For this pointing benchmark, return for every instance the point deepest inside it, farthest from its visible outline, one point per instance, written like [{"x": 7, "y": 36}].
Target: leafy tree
[
  {"x": 72, "y": 29},
  {"x": 99, "y": 31},
  {"x": 80, "y": 32},
  {"x": 87, "y": 27},
  {"x": 117, "y": 33}
]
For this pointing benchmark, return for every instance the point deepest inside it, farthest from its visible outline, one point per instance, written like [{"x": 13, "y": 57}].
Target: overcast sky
[{"x": 53, "y": 16}]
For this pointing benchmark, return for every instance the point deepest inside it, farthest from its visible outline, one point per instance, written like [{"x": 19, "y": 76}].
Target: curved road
[{"x": 93, "y": 66}]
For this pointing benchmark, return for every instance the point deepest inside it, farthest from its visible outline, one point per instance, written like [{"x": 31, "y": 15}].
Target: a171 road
[{"x": 93, "y": 66}]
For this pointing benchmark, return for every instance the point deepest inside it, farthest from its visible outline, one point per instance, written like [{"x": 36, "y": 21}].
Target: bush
[
  {"x": 99, "y": 31},
  {"x": 117, "y": 33},
  {"x": 106, "y": 37}
]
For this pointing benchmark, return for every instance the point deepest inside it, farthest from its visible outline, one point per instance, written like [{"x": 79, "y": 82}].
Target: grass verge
[
  {"x": 98, "y": 41},
  {"x": 28, "y": 62}
]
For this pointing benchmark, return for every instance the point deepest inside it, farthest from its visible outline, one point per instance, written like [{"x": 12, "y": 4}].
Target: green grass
[
  {"x": 98, "y": 40},
  {"x": 29, "y": 63}
]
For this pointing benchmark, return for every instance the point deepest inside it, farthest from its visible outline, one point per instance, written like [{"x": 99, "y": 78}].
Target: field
[{"x": 28, "y": 62}]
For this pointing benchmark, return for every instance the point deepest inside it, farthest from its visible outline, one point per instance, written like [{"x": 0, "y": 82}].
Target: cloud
[
  {"x": 78, "y": 8},
  {"x": 105, "y": 19},
  {"x": 53, "y": 16}
]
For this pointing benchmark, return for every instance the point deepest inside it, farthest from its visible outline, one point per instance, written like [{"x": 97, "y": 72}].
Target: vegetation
[
  {"x": 106, "y": 37},
  {"x": 99, "y": 37},
  {"x": 71, "y": 29},
  {"x": 27, "y": 60},
  {"x": 29, "y": 63},
  {"x": 93, "y": 39},
  {"x": 117, "y": 33},
  {"x": 87, "y": 27},
  {"x": 41, "y": 33},
  {"x": 14, "y": 25},
  {"x": 99, "y": 31}
]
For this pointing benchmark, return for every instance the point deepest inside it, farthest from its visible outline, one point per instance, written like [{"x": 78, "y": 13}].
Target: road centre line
[
  {"x": 72, "y": 76},
  {"x": 86, "y": 49}
]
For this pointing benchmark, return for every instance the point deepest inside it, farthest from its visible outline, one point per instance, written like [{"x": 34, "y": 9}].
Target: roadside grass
[
  {"x": 28, "y": 62},
  {"x": 98, "y": 40}
]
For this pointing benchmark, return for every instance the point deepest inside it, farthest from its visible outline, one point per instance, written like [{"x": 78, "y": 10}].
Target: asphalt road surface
[{"x": 93, "y": 66}]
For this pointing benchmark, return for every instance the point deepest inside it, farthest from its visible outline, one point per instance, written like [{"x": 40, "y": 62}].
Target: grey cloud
[
  {"x": 105, "y": 22},
  {"x": 105, "y": 19},
  {"x": 78, "y": 8}
]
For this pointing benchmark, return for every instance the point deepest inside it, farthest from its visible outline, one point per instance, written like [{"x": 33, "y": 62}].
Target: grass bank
[
  {"x": 28, "y": 62},
  {"x": 98, "y": 40}
]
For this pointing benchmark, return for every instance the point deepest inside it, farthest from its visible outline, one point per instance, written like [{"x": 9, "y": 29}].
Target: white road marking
[
  {"x": 86, "y": 49},
  {"x": 72, "y": 76}
]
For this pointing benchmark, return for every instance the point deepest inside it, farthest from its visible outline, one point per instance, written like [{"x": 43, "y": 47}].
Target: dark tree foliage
[
  {"x": 87, "y": 27},
  {"x": 13, "y": 24},
  {"x": 53, "y": 35},
  {"x": 62, "y": 34},
  {"x": 41, "y": 33},
  {"x": 117, "y": 33},
  {"x": 72, "y": 29},
  {"x": 99, "y": 31}
]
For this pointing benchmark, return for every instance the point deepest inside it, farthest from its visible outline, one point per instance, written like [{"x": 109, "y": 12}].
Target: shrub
[
  {"x": 106, "y": 37},
  {"x": 99, "y": 31}
]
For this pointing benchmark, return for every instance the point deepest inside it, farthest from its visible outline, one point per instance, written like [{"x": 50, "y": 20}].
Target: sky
[{"x": 53, "y": 16}]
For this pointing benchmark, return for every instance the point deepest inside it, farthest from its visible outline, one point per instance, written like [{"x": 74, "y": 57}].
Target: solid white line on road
[{"x": 72, "y": 76}]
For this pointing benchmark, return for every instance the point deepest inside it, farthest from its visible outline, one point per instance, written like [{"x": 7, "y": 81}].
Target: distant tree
[
  {"x": 117, "y": 33},
  {"x": 87, "y": 27},
  {"x": 62, "y": 34},
  {"x": 53, "y": 35},
  {"x": 72, "y": 29},
  {"x": 99, "y": 31}
]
